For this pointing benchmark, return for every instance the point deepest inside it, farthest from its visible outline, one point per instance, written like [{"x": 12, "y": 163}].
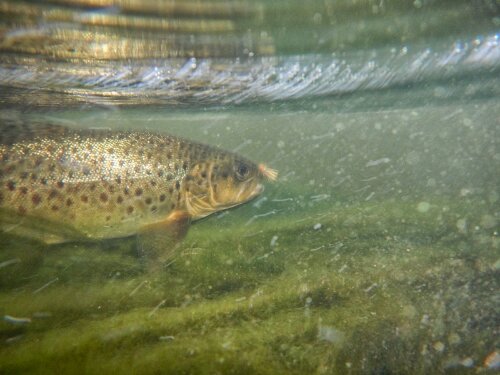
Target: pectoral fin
[{"x": 157, "y": 242}]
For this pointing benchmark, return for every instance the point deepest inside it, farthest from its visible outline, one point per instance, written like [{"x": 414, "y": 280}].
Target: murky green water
[{"x": 375, "y": 252}]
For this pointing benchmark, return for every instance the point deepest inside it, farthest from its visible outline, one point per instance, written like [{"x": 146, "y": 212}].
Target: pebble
[
  {"x": 274, "y": 241},
  {"x": 488, "y": 222},
  {"x": 14, "y": 320},
  {"x": 331, "y": 334},
  {"x": 467, "y": 362},
  {"x": 166, "y": 338},
  {"x": 425, "y": 319},
  {"x": 438, "y": 346},
  {"x": 423, "y": 207}
]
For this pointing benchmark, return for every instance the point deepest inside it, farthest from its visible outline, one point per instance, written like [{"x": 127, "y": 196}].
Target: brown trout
[{"x": 60, "y": 185}]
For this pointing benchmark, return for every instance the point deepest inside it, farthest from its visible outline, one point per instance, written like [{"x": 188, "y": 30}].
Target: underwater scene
[{"x": 250, "y": 187}]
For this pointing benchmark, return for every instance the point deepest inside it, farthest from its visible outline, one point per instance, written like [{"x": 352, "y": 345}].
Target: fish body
[{"x": 59, "y": 184}]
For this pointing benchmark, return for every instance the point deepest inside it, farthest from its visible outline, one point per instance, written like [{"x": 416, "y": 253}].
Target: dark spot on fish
[
  {"x": 119, "y": 199},
  {"x": 204, "y": 174},
  {"x": 111, "y": 189},
  {"x": 169, "y": 155},
  {"x": 170, "y": 177},
  {"x": 108, "y": 218},
  {"x": 130, "y": 209},
  {"x": 60, "y": 184},
  {"x": 200, "y": 182},
  {"x": 69, "y": 202},
  {"x": 153, "y": 183},
  {"x": 118, "y": 180},
  {"x": 86, "y": 171},
  {"x": 111, "y": 151},
  {"x": 92, "y": 187},
  {"x": 103, "y": 197},
  {"x": 84, "y": 198},
  {"x": 184, "y": 166},
  {"x": 23, "y": 190},
  {"x": 225, "y": 174},
  {"x": 24, "y": 175},
  {"x": 162, "y": 197},
  {"x": 148, "y": 200},
  {"x": 43, "y": 181},
  {"x": 52, "y": 168},
  {"x": 138, "y": 192},
  {"x": 38, "y": 161},
  {"x": 11, "y": 185},
  {"x": 137, "y": 169},
  {"x": 21, "y": 210},
  {"x": 121, "y": 163},
  {"x": 54, "y": 208},
  {"x": 149, "y": 155},
  {"x": 160, "y": 173},
  {"x": 36, "y": 199},
  {"x": 52, "y": 194},
  {"x": 170, "y": 190},
  {"x": 34, "y": 177},
  {"x": 177, "y": 185},
  {"x": 153, "y": 208},
  {"x": 71, "y": 174}
]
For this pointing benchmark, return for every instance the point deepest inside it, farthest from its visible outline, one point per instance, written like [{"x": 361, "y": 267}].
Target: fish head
[{"x": 226, "y": 182}]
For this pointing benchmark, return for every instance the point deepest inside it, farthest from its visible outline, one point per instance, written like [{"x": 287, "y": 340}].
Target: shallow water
[{"x": 375, "y": 252}]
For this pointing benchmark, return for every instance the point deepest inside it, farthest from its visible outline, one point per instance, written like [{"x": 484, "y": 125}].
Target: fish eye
[{"x": 242, "y": 171}]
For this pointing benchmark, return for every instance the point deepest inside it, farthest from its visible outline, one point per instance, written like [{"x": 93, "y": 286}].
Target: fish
[{"x": 60, "y": 184}]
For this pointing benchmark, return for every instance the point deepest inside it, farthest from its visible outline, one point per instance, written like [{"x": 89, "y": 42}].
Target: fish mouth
[
  {"x": 257, "y": 190},
  {"x": 198, "y": 208}
]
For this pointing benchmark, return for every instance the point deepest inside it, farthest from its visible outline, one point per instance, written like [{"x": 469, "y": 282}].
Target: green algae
[{"x": 380, "y": 286}]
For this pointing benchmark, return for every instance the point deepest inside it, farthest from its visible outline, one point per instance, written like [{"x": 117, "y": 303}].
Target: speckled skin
[{"x": 58, "y": 184}]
